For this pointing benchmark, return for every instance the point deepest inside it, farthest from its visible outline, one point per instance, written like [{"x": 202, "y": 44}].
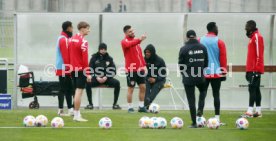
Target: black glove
[
  {"x": 253, "y": 77},
  {"x": 256, "y": 74},
  {"x": 223, "y": 75},
  {"x": 223, "y": 78}
]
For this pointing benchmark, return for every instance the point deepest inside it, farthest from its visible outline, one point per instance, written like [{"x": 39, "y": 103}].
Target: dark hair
[
  {"x": 83, "y": 25},
  {"x": 127, "y": 27},
  {"x": 211, "y": 26},
  {"x": 251, "y": 23},
  {"x": 66, "y": 24}
]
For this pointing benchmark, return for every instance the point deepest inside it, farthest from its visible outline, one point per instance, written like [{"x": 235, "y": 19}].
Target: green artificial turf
[{"x": 125, "y": 127}]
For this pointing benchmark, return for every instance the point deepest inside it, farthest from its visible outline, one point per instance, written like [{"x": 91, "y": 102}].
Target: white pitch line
[
  {"x": 14, "y": 127},
  {"x": 44, "y": 127}
]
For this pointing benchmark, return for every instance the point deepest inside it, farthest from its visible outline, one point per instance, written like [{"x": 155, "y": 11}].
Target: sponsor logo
[{"x": 5, "y": 105}]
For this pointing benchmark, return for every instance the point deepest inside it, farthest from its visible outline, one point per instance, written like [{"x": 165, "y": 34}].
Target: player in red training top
[
  {"x": 254, "y": 68},
  {"x": 135, "y": 67},
  {"x": 79, "y": 63}
]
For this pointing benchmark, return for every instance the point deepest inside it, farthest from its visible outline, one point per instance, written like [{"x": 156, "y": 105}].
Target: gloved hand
[
  {"x": 223, "y": 75},
  {"x": 223, "y": 78},
  {"x": 256, "y": 74}
]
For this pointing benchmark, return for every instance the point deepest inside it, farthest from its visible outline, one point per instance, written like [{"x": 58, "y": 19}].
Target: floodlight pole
[
  {"x": 14, "y": 96},
  {"x": 271, "y": 61}
]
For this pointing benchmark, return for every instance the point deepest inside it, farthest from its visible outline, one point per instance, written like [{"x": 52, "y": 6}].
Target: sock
[
  {"x": 60, "y": 111},
  {"x": 258, "y": 109},
  {"x": 250, "y": 110},
  {"x": 217, "y": 117},
  {"x": 79, "y": 114},
  {"x": 141, "y": 104},
  {"x": 70, "y": 110},
  {"x": 130, "y": 105},
  {"x": 76, "y": 113}
]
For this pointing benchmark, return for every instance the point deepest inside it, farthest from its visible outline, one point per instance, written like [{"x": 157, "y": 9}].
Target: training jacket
[
  {"x": 62, "y": 55},
  {"x": 102, "y": 65},
  {"x": 195, "y": 58},
  {"x": 255, "y": 53},
  {"x": 78, "y": 49},
  {"x": 134, "y": 60}
]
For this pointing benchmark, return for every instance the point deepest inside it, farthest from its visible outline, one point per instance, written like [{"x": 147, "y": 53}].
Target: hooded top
[{"x": 157, "y": 63}]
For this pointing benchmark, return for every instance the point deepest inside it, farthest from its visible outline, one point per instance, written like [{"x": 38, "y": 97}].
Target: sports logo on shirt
[
  {"x": 84, "y": 45},
  {"x": 107, "y": 63}
]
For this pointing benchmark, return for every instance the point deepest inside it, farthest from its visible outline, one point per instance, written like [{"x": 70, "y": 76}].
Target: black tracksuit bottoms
[
  {"x": 215, "y": 84},
  {"x": 110, "y": 82},
  {"x": 152, "y": 91},
  {"x": 254, "y": 89},
  {"x": 190, "y": 92},
  {"x": 66, "y": 89}
]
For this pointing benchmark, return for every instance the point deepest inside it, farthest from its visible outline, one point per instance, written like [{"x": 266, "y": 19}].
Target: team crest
[{"x": 107, "y": 63}]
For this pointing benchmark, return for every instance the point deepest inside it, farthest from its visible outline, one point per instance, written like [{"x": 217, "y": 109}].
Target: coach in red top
[
  {"x": 135, "y": 67},
  {"x": 78, "y": 50},
  {"x": 254, "y": 67}
]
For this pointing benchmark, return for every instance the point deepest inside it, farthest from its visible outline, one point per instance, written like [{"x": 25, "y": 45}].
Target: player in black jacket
[
  {"x": 193, "y": 58},
  {"x": 156, "y": 76},
  {"x": 103, "y": 70}
]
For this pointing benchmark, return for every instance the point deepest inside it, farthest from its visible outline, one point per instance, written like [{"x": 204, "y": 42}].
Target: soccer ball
[
  {"x": 213, "y": 123},
  {"x": 242, "y": 123},
  {"x": 105, "y": 123},
  {"x": 144, "y": 122},
  {"x": 29, "y": 121},
  {"x": 57, "y": 122},
  {"x": 177, "y": 123},
  {"x": 41, "y": 120},
  {"x": 200, "y": 122},
  {"x": 154, "y": 123},
  {"x": 154, "y": 108},
  {"x": 162, "y": 122}
]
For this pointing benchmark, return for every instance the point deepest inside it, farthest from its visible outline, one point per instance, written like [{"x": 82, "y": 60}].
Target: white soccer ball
[
  {"x": 144, "y": 122},
  {"x": 154, "y": 108},
  {"x": 105, "y": 123},
  {"x": 29, "y": 121},
  {"x": 200, "y": 122},
  {"x": 57, "y": 122},
  {"x": 41, "y": 121},
  {"x": 154, "y": 123},
  {"x": 213, "y": 123},
  {"x": 242, "y": 123},
  {"x": 162, "y": 122},
  {"x": 177, "y": 123}
]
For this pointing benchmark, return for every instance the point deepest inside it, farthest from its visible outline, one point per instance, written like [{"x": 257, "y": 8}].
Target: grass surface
[{"x": 125, "y": 127}]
